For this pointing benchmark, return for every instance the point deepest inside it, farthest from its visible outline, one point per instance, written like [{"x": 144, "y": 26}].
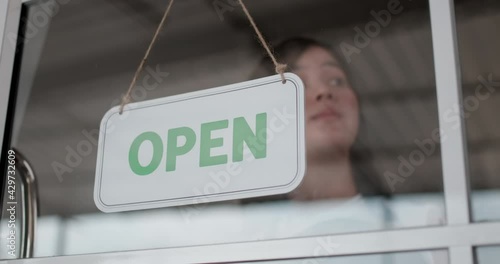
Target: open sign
[{"x": 163, "y": 152}]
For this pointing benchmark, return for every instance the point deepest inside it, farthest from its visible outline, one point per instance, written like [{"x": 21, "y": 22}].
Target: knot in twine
[{"x": 280, "y": 69}]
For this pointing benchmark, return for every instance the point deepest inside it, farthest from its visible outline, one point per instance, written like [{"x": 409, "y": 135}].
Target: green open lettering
[
  {"x": 173, "y": 151},
  {"x": 256, "y": 142},
  {"x": 207, "y": 143},
  {"x": 133, "y": 155}
]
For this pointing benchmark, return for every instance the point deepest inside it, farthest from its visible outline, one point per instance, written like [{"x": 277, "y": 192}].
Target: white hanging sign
[{"x": 232, "y": 142}]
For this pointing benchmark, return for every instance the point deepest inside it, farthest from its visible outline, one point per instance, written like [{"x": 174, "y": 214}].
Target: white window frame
[
  {"x": 10, "y": 12},
  {"x": 459, "y": 236}
]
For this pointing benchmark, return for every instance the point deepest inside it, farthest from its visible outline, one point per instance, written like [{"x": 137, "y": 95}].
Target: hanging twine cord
[
  {"x": 279, "y": 67},
  {"x": 126, "y": 98}
]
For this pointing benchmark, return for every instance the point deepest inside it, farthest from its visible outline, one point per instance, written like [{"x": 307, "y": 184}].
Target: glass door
[{"x": 387, "y": 169}]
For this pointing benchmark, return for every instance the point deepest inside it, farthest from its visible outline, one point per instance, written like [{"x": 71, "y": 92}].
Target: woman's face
[{"x": 332, "y": 114}]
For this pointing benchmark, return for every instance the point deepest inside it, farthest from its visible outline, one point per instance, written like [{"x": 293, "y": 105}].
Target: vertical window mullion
[
  {"x": 461, "y": 255},
  {"x": 449, "y": 97}
]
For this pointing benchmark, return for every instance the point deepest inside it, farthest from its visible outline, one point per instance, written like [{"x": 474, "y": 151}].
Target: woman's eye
[{"x": 336, "y": 82}]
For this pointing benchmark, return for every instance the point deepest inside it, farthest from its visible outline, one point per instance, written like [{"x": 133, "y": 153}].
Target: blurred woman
[{"x": 332, "y": 120}]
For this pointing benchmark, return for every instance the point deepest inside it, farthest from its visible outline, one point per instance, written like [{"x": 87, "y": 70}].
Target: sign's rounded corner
[
  {"x": 99, "y": 203},
  {"x": 111, "y": 112},
  {"x": 297, "y": 180},
  {"x": 293, "y": 77}
]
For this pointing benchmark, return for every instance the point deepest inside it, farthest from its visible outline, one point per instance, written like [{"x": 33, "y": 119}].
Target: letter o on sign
[{"x": 133, "y": 155}]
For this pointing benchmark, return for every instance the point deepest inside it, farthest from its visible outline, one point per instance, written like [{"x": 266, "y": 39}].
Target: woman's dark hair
[{"x": 289, "y": 51}]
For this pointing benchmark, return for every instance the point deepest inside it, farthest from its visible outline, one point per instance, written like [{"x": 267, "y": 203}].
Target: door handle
[{"x": 29, "y": 194}]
